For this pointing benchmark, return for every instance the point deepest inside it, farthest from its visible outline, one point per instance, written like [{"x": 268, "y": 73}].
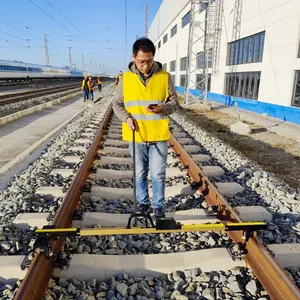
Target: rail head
[
  {"x": 276, "y": 282},
  {"x": 36, "y": 280}
]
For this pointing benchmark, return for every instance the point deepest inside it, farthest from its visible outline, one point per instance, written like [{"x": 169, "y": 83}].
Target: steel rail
[
  {"x": 36, "y": 280},
  {"x": 16, "y": 97},
  {"x": 275, "y": 280},
  {"x": 10, "y": 95}
]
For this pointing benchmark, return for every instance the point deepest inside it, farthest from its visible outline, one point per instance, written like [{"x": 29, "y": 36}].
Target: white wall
[
  {"x": 168, "y": 11},
  {"x": 279, "y": 18}
]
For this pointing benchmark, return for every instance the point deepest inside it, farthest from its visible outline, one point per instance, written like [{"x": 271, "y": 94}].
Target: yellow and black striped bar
[{"x": 68, "y": 232}]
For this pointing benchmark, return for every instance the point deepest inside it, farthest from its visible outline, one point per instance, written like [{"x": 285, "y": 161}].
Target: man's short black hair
[{"x": 143, "y": 44}]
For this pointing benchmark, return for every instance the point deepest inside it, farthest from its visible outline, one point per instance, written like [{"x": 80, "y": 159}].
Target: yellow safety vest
[{"x": 137, "y": 97}]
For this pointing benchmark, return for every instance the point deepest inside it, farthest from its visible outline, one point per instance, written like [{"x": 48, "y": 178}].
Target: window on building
[
  {"x": 173, "y": 66},
  {"x": 250, "y": 50},
  {"x": 261, "y": 46},
  {"x": 186, "y": 19},
  {"x": 182, "y": 80},
  {"x": 200, "y": 82},
  {"x": 173, "y": 79},
  {"x": 246, "y": 50},
  {"x": 165, "y": 38},
  {"x": 236, "y": 52},
  {"x": 244, "y": 85},
  {"x": 201, "y": 59},
  {"x": 164, "y": 66},
  {"x": 296, "y": 93},
  {"x": 183, "y": 61},
  {"x": 174, "y": 30},
  {"x": 159, "y": 44},
  {"x": 241, "y": 52},
  {"x": 204, "y": 5}
]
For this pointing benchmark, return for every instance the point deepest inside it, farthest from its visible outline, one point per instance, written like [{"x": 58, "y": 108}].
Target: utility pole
[
  {"x": 70, "y": 57},
  {"x": 82, "y": 61},
  {"x": 90, "y": 64},
  {"x": 46, "y": 50},
  {"x": 146, "y": 18}
]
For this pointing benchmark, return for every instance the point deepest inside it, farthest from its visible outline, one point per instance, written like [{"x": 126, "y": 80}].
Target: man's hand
[
  {"x": 131, "y": 123},
  {"x": 157, "y": 109}
]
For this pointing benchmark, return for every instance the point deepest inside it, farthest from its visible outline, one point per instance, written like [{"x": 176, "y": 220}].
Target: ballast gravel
[
  {"x": 235, "y": 284},
  {"x": 20, "y": 196},
  {"x": 261, "y": 188},
  {"x": 10, "y": 108}
]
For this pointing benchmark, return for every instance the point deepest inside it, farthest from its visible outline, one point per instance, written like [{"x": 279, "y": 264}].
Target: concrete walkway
[
  {"x": 19, "y": 135},
  {"x": 278, "y": 126}
]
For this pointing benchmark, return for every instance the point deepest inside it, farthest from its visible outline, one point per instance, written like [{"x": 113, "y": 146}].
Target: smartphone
[{"x": 151, "y": 106}]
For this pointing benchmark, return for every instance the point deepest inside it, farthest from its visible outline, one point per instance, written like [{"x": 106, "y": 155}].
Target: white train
[{"x": 21, "y": 70}]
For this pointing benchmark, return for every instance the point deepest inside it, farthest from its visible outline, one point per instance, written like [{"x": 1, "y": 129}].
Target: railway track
[
  {"x": 13, "y": 82},
  {"x": 101, "y": 194},
  {"x": 17, "y": 97}
]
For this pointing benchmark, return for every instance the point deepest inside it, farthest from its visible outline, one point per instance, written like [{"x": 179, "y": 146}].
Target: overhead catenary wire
[
  {"x": 7, "y": 41},
  {"x": 21, "y": 30},
  {"x": 63, "y": 26},
  {"x": 15, "y": 36},
  {"x": 66, "y": 19}
]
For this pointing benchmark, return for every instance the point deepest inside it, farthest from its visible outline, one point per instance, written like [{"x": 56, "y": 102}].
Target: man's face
[
  {"x": 90, "y": 78},
  {"x": 85, "y": 76},
  {"x": 143, "y": 61}
]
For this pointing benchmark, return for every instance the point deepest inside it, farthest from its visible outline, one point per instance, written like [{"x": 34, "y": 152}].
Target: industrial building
[{"x": 254, "y": 56}]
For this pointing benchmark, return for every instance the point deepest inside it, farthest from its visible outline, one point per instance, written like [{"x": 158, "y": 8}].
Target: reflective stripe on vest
[{"x": 137, "y": 97}]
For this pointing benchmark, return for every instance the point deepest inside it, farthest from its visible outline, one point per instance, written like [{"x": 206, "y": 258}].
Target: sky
[{"x": 96, "y": 29}]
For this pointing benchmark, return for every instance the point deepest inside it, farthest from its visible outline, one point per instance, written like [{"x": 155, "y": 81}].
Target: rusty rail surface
[
  {"x": 275, "y": 280},
  {"x": 16, "y": 97},
  {"x": 35, "y": 283}
]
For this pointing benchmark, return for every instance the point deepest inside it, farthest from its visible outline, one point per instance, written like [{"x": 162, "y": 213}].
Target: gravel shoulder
[{"x": 275, "y": 153}]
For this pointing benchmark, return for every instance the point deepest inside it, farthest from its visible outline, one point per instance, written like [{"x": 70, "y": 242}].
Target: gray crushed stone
[
  {"x": 11, "y": 108},
  {"x": 261, "y": 188},
  {"x": 20, "y": 196}
]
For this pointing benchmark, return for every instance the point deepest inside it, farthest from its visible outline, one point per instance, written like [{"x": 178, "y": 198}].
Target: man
[
  {"x": 99, "y": 83},
  {"x": 91, "y": 87},
  {"x": 85, "y": 88},
  {"x": 144, "y": 97},
  {"x": 118, "y": 78}
]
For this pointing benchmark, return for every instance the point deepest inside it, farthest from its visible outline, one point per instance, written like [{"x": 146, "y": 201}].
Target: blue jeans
[
  {"x": 151, "y": 156},
  {"x": 91, "y": 97},
  {"x": 86, "y": 94}
]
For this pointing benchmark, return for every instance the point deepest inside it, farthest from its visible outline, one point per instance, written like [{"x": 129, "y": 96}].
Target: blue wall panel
[{"x": 286, "y": 113}]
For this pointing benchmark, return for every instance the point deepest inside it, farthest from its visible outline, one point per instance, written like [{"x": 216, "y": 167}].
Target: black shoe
[
  {"x": 159, "y": 213},
  {"x": 143, "y": 208}
]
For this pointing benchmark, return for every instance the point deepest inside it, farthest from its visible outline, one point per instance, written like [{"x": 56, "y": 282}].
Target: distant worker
[
  {"x": 144, "y": 97},
  {"x": 91, "y": 87},
  {"x": 85, "y": 87},
  {"x": 99, "y": 83},
  {"x": 118, "y": 78}
]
